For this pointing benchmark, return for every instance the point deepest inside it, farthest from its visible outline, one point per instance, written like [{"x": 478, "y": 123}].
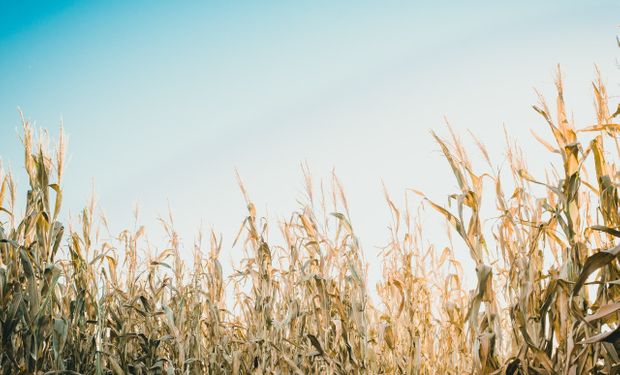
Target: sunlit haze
[{"x": 163, "y": 101}]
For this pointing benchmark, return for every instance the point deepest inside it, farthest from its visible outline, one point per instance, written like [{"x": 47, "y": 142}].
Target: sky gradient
[{"x": 163, "y": 100}]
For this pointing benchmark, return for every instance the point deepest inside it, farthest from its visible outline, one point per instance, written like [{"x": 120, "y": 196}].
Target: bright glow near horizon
[{"x": 163, "y": 100}]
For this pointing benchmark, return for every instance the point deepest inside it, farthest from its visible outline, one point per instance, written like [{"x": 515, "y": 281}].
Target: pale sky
[{"x": 163, "y": 100}]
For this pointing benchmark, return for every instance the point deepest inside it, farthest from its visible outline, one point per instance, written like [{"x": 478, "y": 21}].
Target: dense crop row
[{"x": 547, "y": 298}]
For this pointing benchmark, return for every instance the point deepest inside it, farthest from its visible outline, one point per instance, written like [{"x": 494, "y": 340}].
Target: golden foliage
[{"x": 546, "y": 299}]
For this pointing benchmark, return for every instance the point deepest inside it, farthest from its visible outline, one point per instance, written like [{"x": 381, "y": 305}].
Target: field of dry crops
[{"x": 547, "y": 298}]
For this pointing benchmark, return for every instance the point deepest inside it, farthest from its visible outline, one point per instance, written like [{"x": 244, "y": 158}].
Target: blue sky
[{"x": 163, "y": 100}]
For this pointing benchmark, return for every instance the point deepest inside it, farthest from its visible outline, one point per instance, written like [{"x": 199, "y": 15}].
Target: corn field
[{"x": 546, "y": 298}]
